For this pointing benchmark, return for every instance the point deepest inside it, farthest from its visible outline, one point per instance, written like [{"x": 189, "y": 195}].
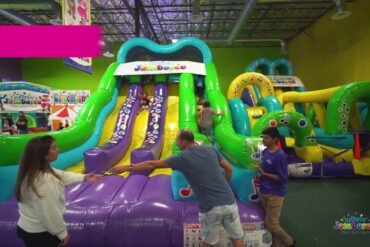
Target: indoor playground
[{"x": 311, "y": 81}]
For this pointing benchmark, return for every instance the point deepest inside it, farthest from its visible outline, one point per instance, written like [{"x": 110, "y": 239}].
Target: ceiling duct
[
  {"x": 25, "y": 5},
  {"x": 14, "y": 16},
  {"x": 282, "y": 43},
  {"x": 196, "y": 16},
  {"x": 246, "y": 11},
  {"x": 7, "y": 8}
]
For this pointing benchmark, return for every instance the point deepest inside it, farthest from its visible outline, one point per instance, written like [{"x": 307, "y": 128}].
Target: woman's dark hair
[
  {"x": 186, "y": 135},
  {"x": 32, "y": 164}
]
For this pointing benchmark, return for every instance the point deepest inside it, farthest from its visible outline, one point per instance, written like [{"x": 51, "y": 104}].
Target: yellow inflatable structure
[{"x": 250, "y": 78}]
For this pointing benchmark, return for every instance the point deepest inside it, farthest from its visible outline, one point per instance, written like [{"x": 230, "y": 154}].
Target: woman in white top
[{"x": 39, "y": 191}]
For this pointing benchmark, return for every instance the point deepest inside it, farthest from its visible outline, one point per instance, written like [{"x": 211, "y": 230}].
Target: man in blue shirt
[
  {"x": 274, "y": 175},
  {"x": 201, "y": 166}
]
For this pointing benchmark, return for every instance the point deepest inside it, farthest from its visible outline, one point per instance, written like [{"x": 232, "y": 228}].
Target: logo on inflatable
[
  {"x": 356, "y": 223},
  {"x": 159, "y": 67}
]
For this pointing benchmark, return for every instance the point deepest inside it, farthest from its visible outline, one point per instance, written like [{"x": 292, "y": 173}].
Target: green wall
[
  {"x": 331, "y": 53},
  {"x": 230, "y": 63},
  {"x": 52, "y": 73}
]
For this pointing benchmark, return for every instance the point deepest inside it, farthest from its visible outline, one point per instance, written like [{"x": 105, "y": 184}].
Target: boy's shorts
[
  {"x": 205, "y": 130},
  {"x": 226, "y": 216}
]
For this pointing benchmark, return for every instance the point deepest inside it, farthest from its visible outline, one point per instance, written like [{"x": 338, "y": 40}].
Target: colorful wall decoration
[
  {"x": 21, "y": 96},
  {"x": 46, "y": 108},
  {"x": 69, "y": 97}
]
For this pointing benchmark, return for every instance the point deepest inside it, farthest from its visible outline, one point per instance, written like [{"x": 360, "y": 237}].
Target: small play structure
[{"x": 325, "y": 133}]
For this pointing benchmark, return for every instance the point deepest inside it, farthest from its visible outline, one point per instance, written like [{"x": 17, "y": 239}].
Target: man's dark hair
[
  {"x": 205, "y": 104},
  {"x": 273, "y": 132},
  {"x": 186, "y": 135}
]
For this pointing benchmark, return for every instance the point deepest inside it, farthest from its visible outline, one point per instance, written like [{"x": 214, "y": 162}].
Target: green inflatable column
[
  {"x": 339, "y": 106},
  {"x": 235, "y": 147},
  {"x": 160, "y": 78},
  {"x": 134, "y": 79},
  {"x": 188, "y": 109}
]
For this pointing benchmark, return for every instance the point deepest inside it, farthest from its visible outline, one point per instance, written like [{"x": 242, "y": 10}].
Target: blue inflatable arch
[{"x": 261, "y": 65}]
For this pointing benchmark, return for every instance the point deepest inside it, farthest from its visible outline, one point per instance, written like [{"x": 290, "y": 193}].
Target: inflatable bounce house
[
  {"x": 156, "y": 209},
  {"x": 323, "y": 135},
  {"x": 324, "y": 132}
]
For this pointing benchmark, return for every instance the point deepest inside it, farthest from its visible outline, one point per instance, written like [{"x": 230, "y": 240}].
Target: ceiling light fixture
[
  {"x": 196, "y": 16},
  {"x": 284, "y": 49},
  {"x": 340, "y": 12},
  {"x": 108, "y": 54},
  {"x": 24, "y": 5},
  {"x": 107, "y": 50}
]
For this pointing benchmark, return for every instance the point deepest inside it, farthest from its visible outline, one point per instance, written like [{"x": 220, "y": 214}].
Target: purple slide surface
[
  {"x": 152, "y": 144},
  {"x": 99, "y": 214},
  {"x": 102, "y": 158}
]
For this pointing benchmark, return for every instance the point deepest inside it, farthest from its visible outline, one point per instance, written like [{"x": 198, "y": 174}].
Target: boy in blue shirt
[{"x": 274, "y": 175}]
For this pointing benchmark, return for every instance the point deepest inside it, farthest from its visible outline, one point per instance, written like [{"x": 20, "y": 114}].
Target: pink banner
[{"x": 50, "y": 41}]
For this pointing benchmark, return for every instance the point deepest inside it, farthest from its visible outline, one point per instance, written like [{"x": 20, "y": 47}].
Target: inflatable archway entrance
[
  {"x": 305, "y": 140},
  {"x": 282, "y": 66},
  {"x": 278, "y": 66},
  {"x": 250, "y": 78},
  {"x": 301, "y": 125},
  {"x": 262, "y": 65}
]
